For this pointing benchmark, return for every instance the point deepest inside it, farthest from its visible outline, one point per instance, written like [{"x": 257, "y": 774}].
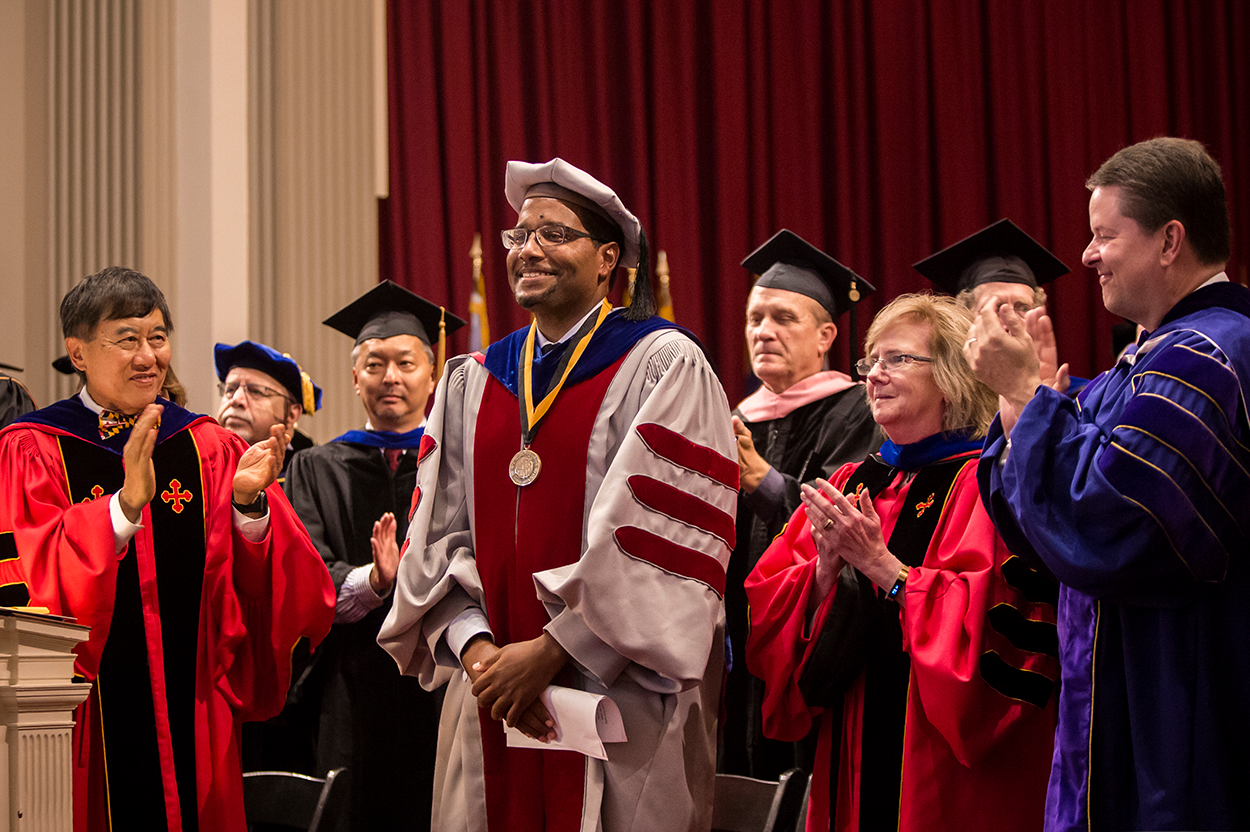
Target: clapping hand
[
  {"x": 847, "y": 530},
  {"x": 259, "y": 466},
  {"x": 385, "y": 554},
  {"x": 139, "y": 486}
]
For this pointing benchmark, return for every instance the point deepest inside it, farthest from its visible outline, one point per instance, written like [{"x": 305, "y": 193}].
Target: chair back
[
  {"x": 744, "y": 804},
  {"x": 295, "y": 801},
  {"x": 801, "y": 824}
]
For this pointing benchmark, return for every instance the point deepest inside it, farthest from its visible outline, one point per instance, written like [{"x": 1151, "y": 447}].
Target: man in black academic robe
[
  {"x": 802, "y": 423},
  {"x": 353, "y": 495},
  {"x": 15, "y": 400}
]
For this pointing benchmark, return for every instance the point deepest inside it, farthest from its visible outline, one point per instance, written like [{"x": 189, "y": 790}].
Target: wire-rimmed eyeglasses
[
  {"x": 252, "y": 391},
  {"x": 890, "y": 362}
]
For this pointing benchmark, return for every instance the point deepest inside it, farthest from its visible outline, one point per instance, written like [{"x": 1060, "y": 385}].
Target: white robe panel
[{"x": 644, "y": 633}]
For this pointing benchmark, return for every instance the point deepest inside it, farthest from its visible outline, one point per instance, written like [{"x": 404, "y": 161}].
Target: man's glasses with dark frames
[{"x": 548, "y": 236}]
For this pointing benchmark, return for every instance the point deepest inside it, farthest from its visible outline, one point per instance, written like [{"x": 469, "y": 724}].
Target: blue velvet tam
[{"x": 277, "y": 364}]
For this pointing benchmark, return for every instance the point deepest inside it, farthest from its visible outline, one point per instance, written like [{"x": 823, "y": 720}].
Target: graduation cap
[
  {"x": 281, "y": 366},
  {"x": 389, "y": 309},
  {"x": 998, "y": 253},
  {"x": 558, "y": 179},
  {"x": 789, "y": 262},
  {"x": 10, "y": 367},
  {"x": 64, "y": 366}
]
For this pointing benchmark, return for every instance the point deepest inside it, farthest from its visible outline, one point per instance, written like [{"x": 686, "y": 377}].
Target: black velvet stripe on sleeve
[
  {"x": 13, "y": 592},
  {"x": 1023, "y": 633},
  {"x": 1036, "y": 586},
  {"x": 1014, "y": 683}
]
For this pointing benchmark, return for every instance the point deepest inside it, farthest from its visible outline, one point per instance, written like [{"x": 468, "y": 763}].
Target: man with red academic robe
[
  {"x": 158, "y": 529},
  {"x": 571, "y": 524}
]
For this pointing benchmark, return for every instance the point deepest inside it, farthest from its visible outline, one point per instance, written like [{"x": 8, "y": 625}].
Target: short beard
[{"x": 530, "y": 301}]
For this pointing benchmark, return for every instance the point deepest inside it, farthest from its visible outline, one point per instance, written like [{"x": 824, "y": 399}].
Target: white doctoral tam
[{"x": 560, "y": 180}]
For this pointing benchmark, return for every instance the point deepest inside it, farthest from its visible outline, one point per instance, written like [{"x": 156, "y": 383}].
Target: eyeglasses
[
  {"x": 548, "y": 236},
  {"x": 251, "y": 391},
  {"x": 890, "y": 362}
]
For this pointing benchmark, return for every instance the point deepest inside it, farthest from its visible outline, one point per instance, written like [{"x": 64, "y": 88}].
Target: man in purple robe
[{"x": 1136, "y": 495}]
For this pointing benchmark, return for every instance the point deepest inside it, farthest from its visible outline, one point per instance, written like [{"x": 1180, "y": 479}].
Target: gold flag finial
[
  {"x": 664, "y": 303},
  {"x": 479, "y": 327}
]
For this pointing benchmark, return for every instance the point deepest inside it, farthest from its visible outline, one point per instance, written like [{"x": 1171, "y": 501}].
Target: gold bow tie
[{"x": 113, "y": 423}]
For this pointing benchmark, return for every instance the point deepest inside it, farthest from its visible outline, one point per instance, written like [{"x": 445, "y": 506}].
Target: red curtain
[{"x": 881, "y": 130}]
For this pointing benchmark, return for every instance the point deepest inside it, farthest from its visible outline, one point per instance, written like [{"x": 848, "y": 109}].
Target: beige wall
[
  {"x": 227, "y": 148},
  {"x": 24, "y": 208}
]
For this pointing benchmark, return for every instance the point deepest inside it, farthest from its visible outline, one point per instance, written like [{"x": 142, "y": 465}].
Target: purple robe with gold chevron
[{"x": 1137, "y": 497}]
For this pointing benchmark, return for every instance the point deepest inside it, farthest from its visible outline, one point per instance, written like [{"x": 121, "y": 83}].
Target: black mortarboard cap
[
  {"x": 64, "y": 366},
  {"x": 998, "y": 253},
  {"x": 10, "y": 367},
  {"x": 789, "y": 262},
  {"x": 389, "y": 309}
]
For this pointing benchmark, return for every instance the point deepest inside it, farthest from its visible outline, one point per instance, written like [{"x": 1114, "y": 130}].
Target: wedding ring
[{"x": 828, "y": 523}]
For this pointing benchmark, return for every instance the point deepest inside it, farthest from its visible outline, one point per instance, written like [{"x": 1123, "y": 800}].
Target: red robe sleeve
[
  {"x": 779, "y": 642},
  {"x": 265, "y": 596},
  {"x": 66, "y": 551},
  {"x": 259, "y": 600},
  {"x": 951, "y": 601}
]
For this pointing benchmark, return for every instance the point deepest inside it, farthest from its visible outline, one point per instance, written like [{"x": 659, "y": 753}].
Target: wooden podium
[{"x": 37, "y": 701}]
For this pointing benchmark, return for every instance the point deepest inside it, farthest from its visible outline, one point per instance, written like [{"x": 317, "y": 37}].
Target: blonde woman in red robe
[{"x": 890, "y": 612}]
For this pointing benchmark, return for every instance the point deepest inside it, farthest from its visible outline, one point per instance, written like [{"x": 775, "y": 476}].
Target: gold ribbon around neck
[{"x": 534, "y": 415}]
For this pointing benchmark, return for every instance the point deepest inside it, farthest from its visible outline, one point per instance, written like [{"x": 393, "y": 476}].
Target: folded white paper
[{"x": 584, "y": 722}]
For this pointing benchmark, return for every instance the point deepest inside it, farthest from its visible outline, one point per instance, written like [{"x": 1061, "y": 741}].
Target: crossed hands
[
  {"x": 1013, "y": 355},
  {"x": 508, "y": 680}
]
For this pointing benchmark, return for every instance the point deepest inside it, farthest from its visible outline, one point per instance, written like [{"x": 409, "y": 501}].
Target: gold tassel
[
  {"x": 442, "y": 343},
  {"x": 305, "y": 387}
]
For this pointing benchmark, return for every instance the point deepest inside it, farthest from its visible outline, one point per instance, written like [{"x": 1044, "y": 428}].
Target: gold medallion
[{"x": 524, "y": 467}]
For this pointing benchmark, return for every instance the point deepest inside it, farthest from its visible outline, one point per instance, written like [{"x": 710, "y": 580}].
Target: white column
[
  {"x": 211, "y": 286},
  {"x": 37, "y": 702}
]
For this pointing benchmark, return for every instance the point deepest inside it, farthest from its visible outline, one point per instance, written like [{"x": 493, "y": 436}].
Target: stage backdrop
[{"x": 881, "y": 130}]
